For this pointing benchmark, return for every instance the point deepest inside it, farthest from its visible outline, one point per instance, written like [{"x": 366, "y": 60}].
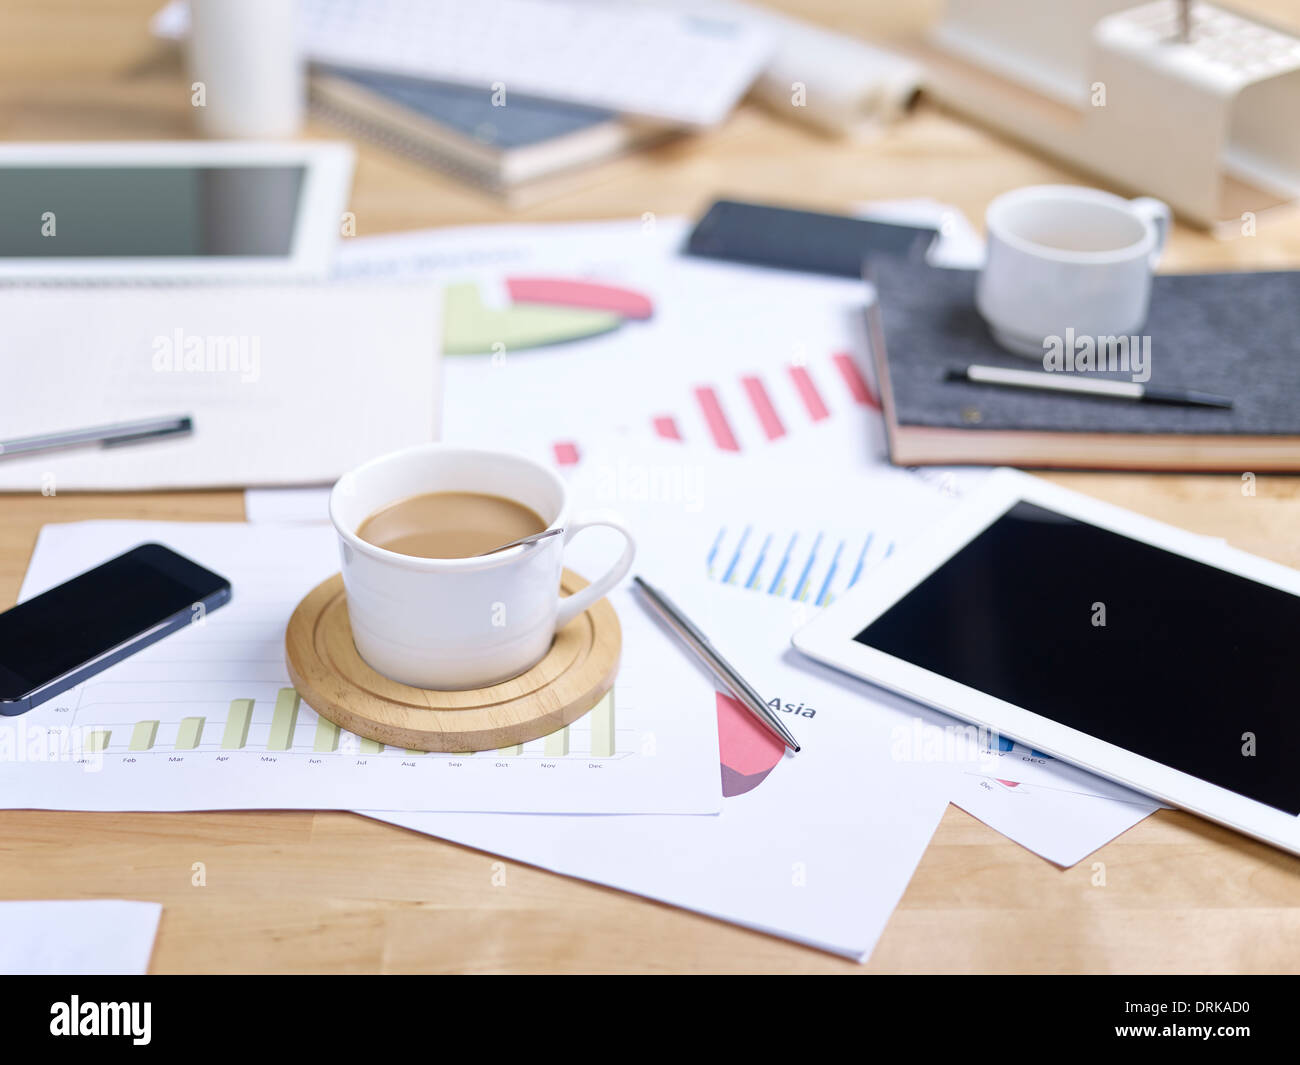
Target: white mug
[
  {"x": 458, "y": 623},
  {"x": 246, "y": 61},
  {"x": 1063, "y": 257}
]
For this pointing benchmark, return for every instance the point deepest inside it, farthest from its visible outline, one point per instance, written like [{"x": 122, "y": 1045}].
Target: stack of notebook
[
  {"x": 1235, "y": 334},
  {"x": 515, "y": 151}
]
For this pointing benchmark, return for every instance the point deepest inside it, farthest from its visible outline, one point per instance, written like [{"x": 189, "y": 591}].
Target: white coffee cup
[
  {"x": 452, "y": 624},
  {"x": 1063, "y": 257}
]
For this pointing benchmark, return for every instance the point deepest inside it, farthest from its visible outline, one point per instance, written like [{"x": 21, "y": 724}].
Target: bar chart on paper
[
  {"x": 757, "y": 407},
  {"x": 283, "y": 724},
  {"x": 812, "y": 566},
  {"x": 207, "y": 719}
]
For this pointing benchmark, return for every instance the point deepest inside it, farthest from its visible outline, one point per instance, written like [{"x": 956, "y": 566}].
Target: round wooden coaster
[{"x": 334, "y": 681}]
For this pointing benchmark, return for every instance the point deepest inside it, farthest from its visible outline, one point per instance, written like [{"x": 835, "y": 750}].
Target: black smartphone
[
  {"x": 73, "y": 631},
  {"x": 800, "y": 240}
]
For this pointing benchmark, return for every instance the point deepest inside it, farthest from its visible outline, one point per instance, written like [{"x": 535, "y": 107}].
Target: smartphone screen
[
  {"x": 800, "y": 240},
  {"x": 97, "y": 619}
]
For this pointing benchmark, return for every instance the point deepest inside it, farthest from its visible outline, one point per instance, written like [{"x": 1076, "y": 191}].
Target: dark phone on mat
[
  {"x": 800, "y": 240},
  {"x": 83, "y": 626}
]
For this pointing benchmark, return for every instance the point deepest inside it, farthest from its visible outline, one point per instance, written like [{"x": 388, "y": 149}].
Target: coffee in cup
[{"x": 449, "y": 524}]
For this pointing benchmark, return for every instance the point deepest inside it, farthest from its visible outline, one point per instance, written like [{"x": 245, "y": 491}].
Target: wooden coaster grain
[{"x": 334, "y": 681}]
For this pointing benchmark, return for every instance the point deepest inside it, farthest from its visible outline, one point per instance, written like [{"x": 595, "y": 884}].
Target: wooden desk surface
[{"x": 307, "y": 892}]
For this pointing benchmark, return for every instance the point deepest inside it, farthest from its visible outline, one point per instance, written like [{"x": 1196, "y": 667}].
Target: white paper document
[
  {"x": 728, "y": 357},
  {"x": 207, "y": 718},
  {"x": 285, "y": 384},
  {"x": 77, "y": 937},
  {"x": 1061, "y": 824},
  {"x": 817, "y": 847}
]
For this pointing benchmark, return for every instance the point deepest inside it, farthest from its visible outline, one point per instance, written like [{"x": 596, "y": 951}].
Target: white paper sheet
[
  {"x": 77, "y": 937},
  {"x": 285, "y": 384},
  {"x": 1062, "y": 825},
  {"x": 724, "y": 344},
  {"x": 816, "y": 847},
  {"x": 665, "y": 756}
]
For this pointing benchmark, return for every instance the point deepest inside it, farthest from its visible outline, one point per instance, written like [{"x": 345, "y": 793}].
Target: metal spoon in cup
[{"x": 532, "y": 539}]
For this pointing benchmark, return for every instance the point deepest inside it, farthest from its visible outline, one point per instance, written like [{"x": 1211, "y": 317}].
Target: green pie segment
[{"x": 470, "y": 328}]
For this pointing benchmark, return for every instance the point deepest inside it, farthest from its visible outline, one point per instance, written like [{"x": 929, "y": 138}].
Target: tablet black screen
[{"x": 1170, "y": 658}]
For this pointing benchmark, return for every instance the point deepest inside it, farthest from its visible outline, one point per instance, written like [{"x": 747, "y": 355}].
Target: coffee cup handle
[
  {"x": 1157, "y": 215},
  {"x": 573, "y": 605}
]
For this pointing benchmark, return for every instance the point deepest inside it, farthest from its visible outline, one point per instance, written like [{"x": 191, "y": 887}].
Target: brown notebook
[{"x": 1235, "y": 334}]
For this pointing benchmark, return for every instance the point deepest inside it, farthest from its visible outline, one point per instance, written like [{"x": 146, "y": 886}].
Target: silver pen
[
  {"x": 103, "y": 435},
  {"x": 1079, "y": 384},
  {"x": 722, "y": 669}
]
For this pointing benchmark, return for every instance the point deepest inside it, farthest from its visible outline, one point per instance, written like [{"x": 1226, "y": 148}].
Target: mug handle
[
  {"x": 573, "y": 605},
  {"x": 1156, "y": 214}
]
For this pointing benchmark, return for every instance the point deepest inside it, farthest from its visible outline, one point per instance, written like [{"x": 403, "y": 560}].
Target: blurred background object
[
  {"x": 246, "y": 68},
  {"x": 1097, "y": 82}
]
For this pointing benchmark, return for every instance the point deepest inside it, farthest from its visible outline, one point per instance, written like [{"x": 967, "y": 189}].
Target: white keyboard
[{"x": 674, "y": 66}]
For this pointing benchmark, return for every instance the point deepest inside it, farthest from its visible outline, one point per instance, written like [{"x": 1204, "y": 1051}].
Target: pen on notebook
[
  {"x": 722, "y": 669},
  {"x": 1087, "y": 386},
  {"x": 103, "y": 435}
]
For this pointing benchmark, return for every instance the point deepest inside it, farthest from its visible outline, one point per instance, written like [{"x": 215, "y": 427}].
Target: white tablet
[
  {"x": 170, "y": 210},
  {"x": 1150, "y": 655}
]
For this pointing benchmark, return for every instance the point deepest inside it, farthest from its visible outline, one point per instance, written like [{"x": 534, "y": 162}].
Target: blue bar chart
[{"x": 806, "y": 566}]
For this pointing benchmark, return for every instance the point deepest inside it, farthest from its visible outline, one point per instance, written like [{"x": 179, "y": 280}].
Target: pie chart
[
  {"x": 541, "y": 311},
  {"x": 748, "y": 751}
]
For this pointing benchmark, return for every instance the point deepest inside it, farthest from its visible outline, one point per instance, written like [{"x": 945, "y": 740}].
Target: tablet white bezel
[
  {"x": 327, "y": 181},
  {"x": 829, "y": 638}
]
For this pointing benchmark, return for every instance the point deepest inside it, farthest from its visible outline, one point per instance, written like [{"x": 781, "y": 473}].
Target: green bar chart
[
  {"x": 237, "y": 722},
  {"x": 284, "y": 720},
  {"x": 327, "y": 736},
  {"x": 602, "y": 727},
  {"x": 143, "y": 735},
  {"x": 246, "y": 728},
  {"x": 190, "y": 734},
  {"x": 557, "y": 744}
]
